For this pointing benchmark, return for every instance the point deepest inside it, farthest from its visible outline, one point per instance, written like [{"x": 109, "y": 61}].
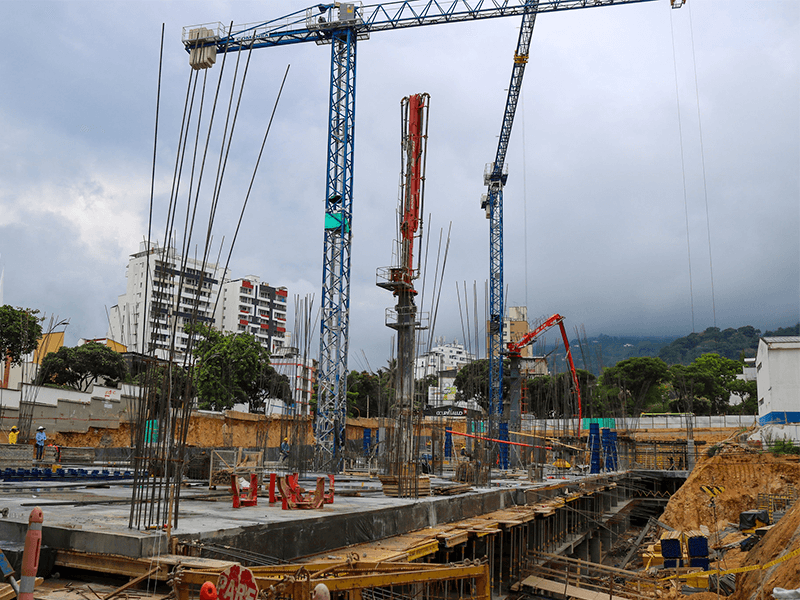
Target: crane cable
[
  {"x": 683, "y": 168},
  {"x": 703, "y": 163}
]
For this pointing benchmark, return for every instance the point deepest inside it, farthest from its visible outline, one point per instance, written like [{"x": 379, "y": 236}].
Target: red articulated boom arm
[
  {"x": 514, "y": 349},
  {"x": 415, "y": 137}
]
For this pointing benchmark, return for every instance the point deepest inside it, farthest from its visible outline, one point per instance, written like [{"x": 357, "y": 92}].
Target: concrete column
[
  {"x": 595, "y": 549},
  {"x": 605, "y": 540}
]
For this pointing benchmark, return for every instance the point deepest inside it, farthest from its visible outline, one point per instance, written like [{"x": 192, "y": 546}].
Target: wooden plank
[
  {"x": 8, "y": 593},
  {"x": 555, "y": 587},
  {"x": 133, "y": 567},
  {"x": 131, "y": 583}
]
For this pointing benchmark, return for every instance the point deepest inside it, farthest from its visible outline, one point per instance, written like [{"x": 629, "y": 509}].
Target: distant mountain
[
  {"x": 730, "y": 343},
  {"x": 595, "y": 353}
]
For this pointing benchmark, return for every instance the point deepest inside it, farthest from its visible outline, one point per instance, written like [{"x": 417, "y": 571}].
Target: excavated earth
[{"x": 744, "y": 473}]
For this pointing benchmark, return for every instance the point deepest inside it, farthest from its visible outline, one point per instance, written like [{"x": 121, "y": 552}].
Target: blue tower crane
[
  {"x": 342, "y": 24},
  {"x": 494, "y": 177}
]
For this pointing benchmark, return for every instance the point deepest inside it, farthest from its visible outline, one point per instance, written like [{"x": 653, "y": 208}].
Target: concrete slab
[{"x": 95, "y": 519}]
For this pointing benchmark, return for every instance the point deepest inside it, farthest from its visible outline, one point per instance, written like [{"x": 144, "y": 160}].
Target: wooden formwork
[{"x": 225, "y": 463}]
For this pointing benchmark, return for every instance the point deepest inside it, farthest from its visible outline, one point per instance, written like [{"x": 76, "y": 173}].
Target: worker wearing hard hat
[
  {"x": 12, "y": 437},
  {"x": 284, "y": 449}
]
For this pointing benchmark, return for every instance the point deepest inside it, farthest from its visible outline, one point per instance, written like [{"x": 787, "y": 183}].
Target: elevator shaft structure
[{"x": 399, "y": 279}]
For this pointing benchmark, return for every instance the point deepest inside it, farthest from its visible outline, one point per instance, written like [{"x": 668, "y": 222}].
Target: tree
[
  {"x": 472, "y": 382},
  {"x": 729, "y": 343},
  {"x": 80, "y": 366},
  {"x": 637, "y": 382},
  {"x": 20, "y": 330},
  {"x": 748, "y": 392},
  {"x": 370, "y": 393},
  {"x": 233, "y": 368},
  {"x": 711, "y": 377}
]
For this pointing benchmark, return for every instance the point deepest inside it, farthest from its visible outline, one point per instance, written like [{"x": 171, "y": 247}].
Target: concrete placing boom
[
  {"x": 341, "y": 24},
  {"x": 514, "y": 353},
  {"x": 400, "y": 281}
]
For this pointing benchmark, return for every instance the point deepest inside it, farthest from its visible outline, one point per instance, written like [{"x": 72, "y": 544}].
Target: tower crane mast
[
  {"x": 342, "y": 24},
  {"x": 495, "y": 176}
]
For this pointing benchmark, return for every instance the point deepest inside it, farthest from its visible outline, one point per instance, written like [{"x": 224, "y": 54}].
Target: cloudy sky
[{"x": 650, "y": 144}]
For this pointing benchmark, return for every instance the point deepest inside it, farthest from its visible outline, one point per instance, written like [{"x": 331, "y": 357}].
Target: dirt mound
[
  {"x": 94, "y": 438},
  {"x": 782, "y": 538},
  {"x": 743, "y": 473}
]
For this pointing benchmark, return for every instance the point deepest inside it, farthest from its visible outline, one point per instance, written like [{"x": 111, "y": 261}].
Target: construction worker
[
  {"x": 284, "y": 449},
  {"x": 41, "y": 438},
  {"x": 465, "y": 453},
  {"x": 12, "y": 437}
]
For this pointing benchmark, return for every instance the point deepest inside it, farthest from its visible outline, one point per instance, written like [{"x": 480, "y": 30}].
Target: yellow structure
[
  {"x": 115, "y": 346},
  {"x": 49, "y": 342}
]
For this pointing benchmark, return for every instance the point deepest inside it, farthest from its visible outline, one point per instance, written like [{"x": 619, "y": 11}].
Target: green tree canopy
[
  {"x": 369, "y": 393},
  {"x": 637, "y": 382},
  {"x": 80, "y": 366},
  {"x": 728, "y": 343},
  {"x": 710, "y": 378},
  {"x": 234, "y": 368},
  {"x": 472, "y": 382},
  {"x": 20, "y": 330},
  {"x": 553, "y": 396}
]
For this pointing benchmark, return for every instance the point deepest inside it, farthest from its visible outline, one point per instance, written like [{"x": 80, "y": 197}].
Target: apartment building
[
  {"x": 442, "y": 357},
  {"x": 249, "y": 305},
  {"x": 165, "y": 291}
]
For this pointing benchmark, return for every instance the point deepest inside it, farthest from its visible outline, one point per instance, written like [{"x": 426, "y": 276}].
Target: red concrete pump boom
[
  {"x": 514, "y": 349},
  {"x": 415, "y": 136}
]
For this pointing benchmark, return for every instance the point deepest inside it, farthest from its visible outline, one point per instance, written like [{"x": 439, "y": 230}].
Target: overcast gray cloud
[{"x": 605, "y": 161}]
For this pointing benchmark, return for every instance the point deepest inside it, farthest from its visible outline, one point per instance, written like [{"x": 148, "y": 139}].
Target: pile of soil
[
  {"x": 781, "y": 539},
  {"x": 743, "y": 472},
  {"x": 94, "y": 438}
]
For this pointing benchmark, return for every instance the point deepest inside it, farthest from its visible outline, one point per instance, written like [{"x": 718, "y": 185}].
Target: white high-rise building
[
  {"x": 443, "y": 357},
  {"x": 248, "y": 305},
  {"x": 164, "y": 293}
]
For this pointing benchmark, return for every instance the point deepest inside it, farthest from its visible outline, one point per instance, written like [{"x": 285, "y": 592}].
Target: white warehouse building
[{"x": 778, "y": 380}]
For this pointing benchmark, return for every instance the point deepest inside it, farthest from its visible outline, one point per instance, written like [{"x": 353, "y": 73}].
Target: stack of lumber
[
  {"x": 452, "y": 490},
  {"x": 411, "y": 486}
]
